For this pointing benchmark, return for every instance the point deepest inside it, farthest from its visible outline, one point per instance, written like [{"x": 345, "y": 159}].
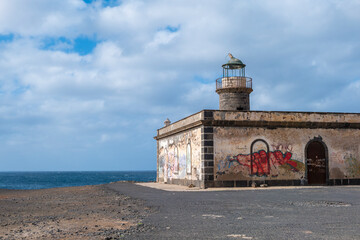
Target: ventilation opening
[{"x": 240, "y": 109}]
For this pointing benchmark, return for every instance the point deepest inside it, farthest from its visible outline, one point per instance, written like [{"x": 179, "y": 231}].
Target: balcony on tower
[{"x": 234, "y": 82}]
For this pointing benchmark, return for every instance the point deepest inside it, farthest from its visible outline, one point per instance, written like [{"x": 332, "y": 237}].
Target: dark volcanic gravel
[
  {"x": 88, "y": 212},
  {"x": 128, "y": 211}
]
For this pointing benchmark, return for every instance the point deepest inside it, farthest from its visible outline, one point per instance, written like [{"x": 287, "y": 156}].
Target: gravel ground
[
  {"x": 127, "y": 211},
  {"x": 88, "y": 212}
]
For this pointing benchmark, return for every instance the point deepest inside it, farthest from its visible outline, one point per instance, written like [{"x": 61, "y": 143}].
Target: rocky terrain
[{"x": 87, "y": 212}]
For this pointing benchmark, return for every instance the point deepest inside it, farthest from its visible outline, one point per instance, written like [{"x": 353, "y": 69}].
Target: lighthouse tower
[{"x": 234, "y": 88}]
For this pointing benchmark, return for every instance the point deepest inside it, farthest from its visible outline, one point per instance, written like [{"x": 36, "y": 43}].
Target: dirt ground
[{"x": 87, "y": 212}]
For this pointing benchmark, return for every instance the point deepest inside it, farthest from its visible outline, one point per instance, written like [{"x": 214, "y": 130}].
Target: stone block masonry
[
  {"x": 207, "y": 155},
  {"x": 234, "y": 101}
]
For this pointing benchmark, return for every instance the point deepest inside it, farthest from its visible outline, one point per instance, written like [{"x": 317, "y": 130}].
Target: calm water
[{"x": 38, "y": 180}]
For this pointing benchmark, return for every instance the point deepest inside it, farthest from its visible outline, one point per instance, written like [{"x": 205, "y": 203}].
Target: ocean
[{"x": 41, "y": 180}]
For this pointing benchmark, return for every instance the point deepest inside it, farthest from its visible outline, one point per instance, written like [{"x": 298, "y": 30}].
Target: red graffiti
[{"x": 259, "y": 163}]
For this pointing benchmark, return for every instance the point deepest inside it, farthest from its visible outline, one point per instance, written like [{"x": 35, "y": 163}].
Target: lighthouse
[
  {"x": 237, "y": 147},
  {"x": 234, "y": 87}
]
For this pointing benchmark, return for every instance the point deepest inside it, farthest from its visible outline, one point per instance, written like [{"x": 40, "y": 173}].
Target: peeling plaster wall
[
  {"x": 232, "y": 149},
  {"x": 173, "y": 163}
]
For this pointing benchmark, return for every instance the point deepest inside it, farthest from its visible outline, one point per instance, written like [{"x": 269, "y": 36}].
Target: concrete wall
[
  {"x": 179, "y": 158},
  {"x": 232, "y": 148}
]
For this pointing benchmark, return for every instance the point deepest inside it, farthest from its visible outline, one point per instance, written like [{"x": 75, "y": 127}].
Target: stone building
[{"x": 235, "y": 147}]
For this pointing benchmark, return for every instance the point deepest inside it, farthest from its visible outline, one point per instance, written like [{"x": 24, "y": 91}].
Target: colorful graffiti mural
[
  {"x": 260, "y": 163},
  {"x": 171, "y": 164},
  {"x": 179, "y": 157}
]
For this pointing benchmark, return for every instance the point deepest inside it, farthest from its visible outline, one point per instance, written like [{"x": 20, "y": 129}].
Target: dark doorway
[{"x": 316, "y": 163}]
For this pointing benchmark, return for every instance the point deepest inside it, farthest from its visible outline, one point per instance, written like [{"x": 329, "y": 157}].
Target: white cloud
[
  {"x": 42, "y": 17},
  {"x": 302, "y": 55},
  {"x": 162, "y": 38}
]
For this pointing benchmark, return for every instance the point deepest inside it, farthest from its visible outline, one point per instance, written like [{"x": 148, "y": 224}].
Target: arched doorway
[
  {"x": 316, "y": 162},
  {"x": 259, "y": 152}
]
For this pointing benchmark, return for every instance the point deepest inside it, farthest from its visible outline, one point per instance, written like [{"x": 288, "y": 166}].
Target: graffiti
[
  {"x": 352, "y": 166},
  {"x": 173, "y": 164},
  {"x": 179, "y": 157},
  {"x": 283, "y": 147},
  {"x": 176, "y": 160},
  {"x": 260, "y": 166},
  {"x": 188, "y": 158},
  {"x": 161, "y": 166}
]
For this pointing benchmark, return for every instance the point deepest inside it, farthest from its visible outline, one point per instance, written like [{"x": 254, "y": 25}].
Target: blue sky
[{"x": 85, "y": 84}]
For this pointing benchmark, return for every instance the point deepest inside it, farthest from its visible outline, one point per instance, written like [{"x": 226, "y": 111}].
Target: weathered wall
[
  {"x": 232, "y": 149},
  {"x": 182, "y": 124},
  {"x": 287, "y": 117},
  {"x": 173, "y": 164},
  {"x": 234, "y": 101},
  {"x": 221, "y": 147}
]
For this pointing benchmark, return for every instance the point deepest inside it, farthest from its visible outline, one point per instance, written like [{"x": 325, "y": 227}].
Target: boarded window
[
  {"x": 188, "y": 158},
  {"x": 176, "y": 160},
  {"x": 260, "y": 165},
  {"x": 166, "y": 165}
]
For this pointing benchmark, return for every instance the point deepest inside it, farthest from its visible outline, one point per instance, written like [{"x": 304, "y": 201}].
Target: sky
[{"x": 84, "y": 85}]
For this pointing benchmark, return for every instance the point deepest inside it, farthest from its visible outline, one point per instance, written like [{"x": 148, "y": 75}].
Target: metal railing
[{"x": 233, "y": 82}]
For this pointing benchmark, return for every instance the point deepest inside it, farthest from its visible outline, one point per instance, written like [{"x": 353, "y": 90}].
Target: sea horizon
[
  {"x": 27, "y": 180},
  {"x": 78, "y": 171}
]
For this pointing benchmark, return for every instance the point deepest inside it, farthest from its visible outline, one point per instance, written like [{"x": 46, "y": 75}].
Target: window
[
  {"x": 188, "y": 158},
  {"x": 260, "y": 164},
  {"x": 176, "y": 160}
]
